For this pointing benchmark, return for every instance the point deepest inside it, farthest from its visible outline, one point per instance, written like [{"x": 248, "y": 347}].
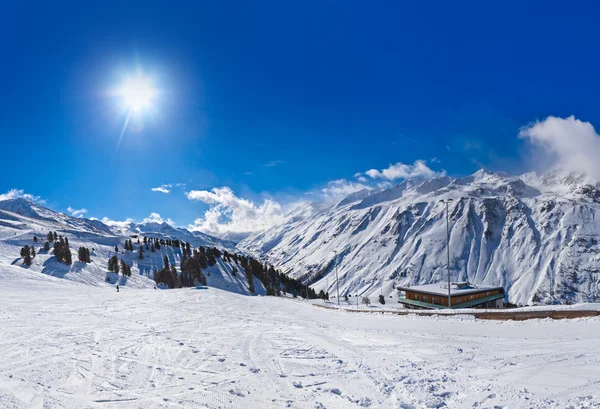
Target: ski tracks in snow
[{"x": 67, "y": 346}]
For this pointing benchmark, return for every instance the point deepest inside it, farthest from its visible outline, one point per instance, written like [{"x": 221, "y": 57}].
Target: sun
[{"x": 138, "y": 93}]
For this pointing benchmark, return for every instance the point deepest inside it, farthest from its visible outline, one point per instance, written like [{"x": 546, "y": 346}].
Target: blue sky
[{"x": 277, "y": 99}]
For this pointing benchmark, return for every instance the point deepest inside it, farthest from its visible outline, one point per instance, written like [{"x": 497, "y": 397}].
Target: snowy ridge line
[
  {"x": 538, "y": 236},
  {"x": 503, "y": 315}
]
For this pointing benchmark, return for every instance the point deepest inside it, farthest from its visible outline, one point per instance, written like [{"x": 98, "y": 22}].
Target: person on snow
[{"x": 117, "y": 287}]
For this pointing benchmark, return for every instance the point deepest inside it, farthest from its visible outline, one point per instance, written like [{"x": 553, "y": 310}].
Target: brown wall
[{"x": 443, "y": 300}]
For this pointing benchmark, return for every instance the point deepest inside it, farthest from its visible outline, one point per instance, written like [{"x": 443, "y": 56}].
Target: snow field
[{"x": 68, "y": 345}]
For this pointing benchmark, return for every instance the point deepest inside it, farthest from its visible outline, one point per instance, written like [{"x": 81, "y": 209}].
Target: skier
[{"x": 117, "y": 287}]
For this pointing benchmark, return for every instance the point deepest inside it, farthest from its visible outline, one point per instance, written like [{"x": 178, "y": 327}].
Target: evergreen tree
[
  {"x": 250, "y": 278},
  {"x": 152, "y": 248},
  {"x": 113, "y": 264},
  {"x": 32, "y": 251},
  {"x": 141, "y": 253},
  {"x": 35, "y": 239},
  {"x": 61, "y": 251},
  {"x": 381, "y": 299},
  {"x": 192, "y": 272},
  {"x": 175, "y": 277},
  {"x": 166, "y": 262},
  {"x": 68, "y": 257},
  {"x": 126, "y": 270},
  {"x": 116, "y": 249},
  {"x": 83, "y": 255},
  {"x": 47, "y": 247},
  {"x": 55, "y": 236},
  {"x": 27, "y": 258},
  {"x": 50, "y": 236}
]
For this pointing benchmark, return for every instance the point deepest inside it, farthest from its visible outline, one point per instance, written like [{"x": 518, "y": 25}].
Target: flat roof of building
[{"x": 441, "y": 289}]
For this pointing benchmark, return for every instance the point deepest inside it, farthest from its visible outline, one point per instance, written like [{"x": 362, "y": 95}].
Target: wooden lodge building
[{"x": 462, "y": 295}]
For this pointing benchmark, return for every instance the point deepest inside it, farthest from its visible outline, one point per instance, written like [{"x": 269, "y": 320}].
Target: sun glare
[{"x": 138, "y": 93}]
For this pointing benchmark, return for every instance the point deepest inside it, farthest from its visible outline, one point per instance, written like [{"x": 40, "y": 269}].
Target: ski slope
[
  {"x": 69, "y": 345},
  {"x": 21, "y": 220}
]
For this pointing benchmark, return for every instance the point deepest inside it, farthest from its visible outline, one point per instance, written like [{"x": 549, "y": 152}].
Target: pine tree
[
  {"x": 55, "y": 236},
  {"x": 141, "y": 253},
  {"x": 32, "y": 251},
  {"x": 47, "y": 247},
  {"x": 125, "y": 268},
  {"x": 250, "y": 279},
  {"x": 116, "y": 249},
  {"x": 67, "y": 256},
  {"x": 35, "y": 239},
  {"x": 83, "y": 255},
  {"x": 27, "y": 259},
  {"x": 113, "y": 264},
  {"x": 50, "y": 236},
  {"x": 381, "y": 299},
  {"x": 166, "y": 262},
  {"x": 152, "y": 248}
]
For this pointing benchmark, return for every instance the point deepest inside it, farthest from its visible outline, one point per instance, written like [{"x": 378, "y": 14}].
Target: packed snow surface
[{"x": 71, "y": 345}]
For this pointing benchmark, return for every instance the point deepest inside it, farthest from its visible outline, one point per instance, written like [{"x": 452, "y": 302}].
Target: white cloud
[
  {"x": 17, "y": 193},
  {"x": 359, "y": 176},
  {"x": 229, "y": 214},
  {"x": 403, "y": 171},
  {"x": 76, "y": 212},
  {"x": 114, "y": 223},
  {"x": 156, "y": 218},
  {"x": 339, "y": 189},
  {"x": 164, "y": 188},
  {"x": 573, "y": 144}
]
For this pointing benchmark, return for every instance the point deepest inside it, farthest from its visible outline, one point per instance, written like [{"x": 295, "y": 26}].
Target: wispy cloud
[
  {"x": 229, "y": 213},
  {"x": 166, "y": 188},
  {"x": 338, "y": 189},
  {"x": 573, "y": 145},
  {"x": 77, "y": 212},
  {"x": 401, "y": 170},
  {"x": 274, "y": 163},
  {"x": 19, "y": 193}
]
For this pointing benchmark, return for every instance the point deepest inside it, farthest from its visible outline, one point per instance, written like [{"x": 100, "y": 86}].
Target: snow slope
[
  {"x": 536, "y": 235},
  {"x": 21, "y": 219},
  {"x": 69, "y": 345}
]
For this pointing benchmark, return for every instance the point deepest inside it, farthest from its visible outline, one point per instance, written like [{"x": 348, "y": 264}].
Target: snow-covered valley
[{"x": 70, "y": 345}]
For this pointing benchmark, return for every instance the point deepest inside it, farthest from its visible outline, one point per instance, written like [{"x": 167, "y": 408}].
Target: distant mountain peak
[{"x": 537, "y": 235}]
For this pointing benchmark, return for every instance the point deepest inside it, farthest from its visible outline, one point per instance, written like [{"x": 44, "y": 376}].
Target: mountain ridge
[{"x": 534, "y": 234}]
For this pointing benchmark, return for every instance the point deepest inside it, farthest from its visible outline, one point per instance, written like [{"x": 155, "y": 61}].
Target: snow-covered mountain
[
  {"x": 21, "y": 220},
  {"x": 537, "y": 235}
]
